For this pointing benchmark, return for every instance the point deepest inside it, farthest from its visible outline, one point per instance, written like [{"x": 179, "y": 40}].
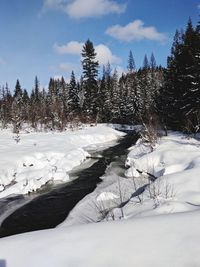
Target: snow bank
[
  {"x": 42, "y": 157},
  {"x": 167, "y": 240},
  {"x": 176, "y": 161}
]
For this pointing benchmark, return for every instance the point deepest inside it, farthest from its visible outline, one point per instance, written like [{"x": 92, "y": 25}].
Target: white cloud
[
  {"x": 104, "y": 54},
  {"x": 93, "y": 8},
  {"x": 72, "y": 47},
  {"x": 85, "y": 8},
  {"x": 119, "y": 70},
  {"x": 135, "y": 31}
]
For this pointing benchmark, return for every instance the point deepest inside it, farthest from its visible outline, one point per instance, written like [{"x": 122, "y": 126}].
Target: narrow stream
[{"x": 51, "y": 208}]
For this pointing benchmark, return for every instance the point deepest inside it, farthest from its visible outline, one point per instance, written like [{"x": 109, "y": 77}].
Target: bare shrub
[
  {"x": 159, "y": 190},
  {"x": 151, "y": 131},
  {"x": 105, "y": 209},
  {"x": 135, "y": 185}
]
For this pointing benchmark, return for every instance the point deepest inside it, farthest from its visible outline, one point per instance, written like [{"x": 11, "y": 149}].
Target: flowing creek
[{"x": 53, "y": 204}]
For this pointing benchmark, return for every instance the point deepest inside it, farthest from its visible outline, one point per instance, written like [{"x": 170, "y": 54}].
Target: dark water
[{"x": 50, "y": 209}]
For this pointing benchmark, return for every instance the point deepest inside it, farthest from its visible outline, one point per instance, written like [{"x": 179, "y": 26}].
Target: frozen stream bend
[{"x": 51, "y": 208}]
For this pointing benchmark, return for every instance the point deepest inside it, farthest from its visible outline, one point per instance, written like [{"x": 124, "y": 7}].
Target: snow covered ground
[
  {"x": 176, "y": 161},
  {"x": 167, "y": 241},
  {"x": 41, "y": 157},
  {"x": 158, "y": 228}
]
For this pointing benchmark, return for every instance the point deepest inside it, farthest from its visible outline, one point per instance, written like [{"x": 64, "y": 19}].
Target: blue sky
[{"x": 45, "y": 37}]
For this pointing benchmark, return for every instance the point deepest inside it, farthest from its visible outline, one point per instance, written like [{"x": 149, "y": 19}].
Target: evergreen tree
[
  {"x": 152, "y": 62},
  {"x": 17, "y": 108},
  {"x": 145, "y": 62},
  {"x": 171, "y": 91},
  {"x": 107, "y": 95},
  {"x": 103, "y": 104},
  {"x": 182, "y": 91},
  {"x": 18, "y": 91},
  {"x": 36, "y": 89},
  {"x": 115, "y": 99},
  {"x": 73, "y": 99},
  {"x": 131, "y": 63},
  {"x": 6, "y": 106},
  {"x": 90, "y": 73}
]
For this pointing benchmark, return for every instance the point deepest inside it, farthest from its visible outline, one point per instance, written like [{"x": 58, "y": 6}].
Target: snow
[
  {"x": 167, "y": 240},
  {"x": 158, "y": 228},
  {"x": 42, "y": 157},
  {"x": 176, "y": 161},
  {"x": 106, "y": 196}
]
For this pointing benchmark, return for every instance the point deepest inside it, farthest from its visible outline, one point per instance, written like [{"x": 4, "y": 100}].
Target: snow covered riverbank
[
  {"x": 159, "y": 229},
  {"x": 41, "y": 157},
  {"x": 167, "y": 241},
  {"x": 175, "y": 161}
]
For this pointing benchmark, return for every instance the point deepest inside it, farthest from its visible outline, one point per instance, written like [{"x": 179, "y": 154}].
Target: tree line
[{"x": 168, "y": 95}]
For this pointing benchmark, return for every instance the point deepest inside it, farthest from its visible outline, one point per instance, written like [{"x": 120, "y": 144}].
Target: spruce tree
[
  {"x": 115, "y": 98},
  {"x": 131, "y": 63},
  {"x": 152, "y": 61},
  {"x": 90, "y": 72},
  {"x": 73, "y": 98},
  {"x": 17, "y": 116},
  {"x": 182, "y": 90},
  {"x": 145, "y": 62}
]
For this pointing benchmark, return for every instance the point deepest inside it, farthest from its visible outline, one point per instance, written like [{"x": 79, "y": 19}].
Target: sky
[{"x": 45, "y": 37}]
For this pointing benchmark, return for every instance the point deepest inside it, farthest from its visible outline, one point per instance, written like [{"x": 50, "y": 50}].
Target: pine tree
[
  {"x": 17, "y": 108},
  {"x": 152, "y": 62},
  {"x": 145, "y": 87},
  {"x": 131, "y": 87},
  {"x": 6, "y": 106},
  {"x": 108, "y": 93},
  {"x": 145, "y": 62},
  {"x": 182, "y": 91},
  {"x": 25, "y": 106},
  {"x": 18, "y": 91},
  {"x": 90, "y": 72},
  {"x": 115, "y": 98},
  {"x": 36, "y": 89},
  {"x": 104, "y": 98},
  {"x": 131, "y": 63},
  {"x": 73, "y": 98},
  {"x": 188, "y": 76}
]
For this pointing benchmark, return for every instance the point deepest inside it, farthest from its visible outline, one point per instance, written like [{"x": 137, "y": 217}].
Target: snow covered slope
[
  {"x": 167, "y": 241},
  {"x": 41, "y": 157},
  {"x": 176, "y": 161}
]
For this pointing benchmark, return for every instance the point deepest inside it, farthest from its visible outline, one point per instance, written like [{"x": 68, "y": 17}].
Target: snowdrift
[{"x": 42, "y": 157}]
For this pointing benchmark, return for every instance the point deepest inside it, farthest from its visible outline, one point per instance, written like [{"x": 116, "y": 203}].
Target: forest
[{"x": 168, "y": 97}]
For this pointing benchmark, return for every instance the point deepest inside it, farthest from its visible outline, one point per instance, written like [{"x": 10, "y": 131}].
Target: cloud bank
[
  {"x": 72, "y": 47},
  {"x": 135, "y": 31},
  {"x": 85, "y": 8}
]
